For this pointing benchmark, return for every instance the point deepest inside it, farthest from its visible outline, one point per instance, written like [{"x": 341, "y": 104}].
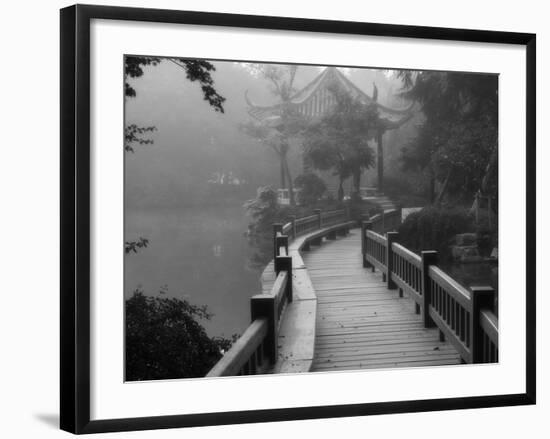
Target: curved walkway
[{"x": 361, "y": 324}]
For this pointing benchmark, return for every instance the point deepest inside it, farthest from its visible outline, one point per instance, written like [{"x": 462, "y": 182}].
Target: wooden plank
[
  {"x": 388, "y": 364},
  {"x": 296, "y": 338}
]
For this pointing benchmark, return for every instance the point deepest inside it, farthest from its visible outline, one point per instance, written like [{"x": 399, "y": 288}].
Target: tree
[
  {"x": 164, "y": 339},
  {"x": 457, "y": 144},
  {"x": 133, "y": 246},
  {"x": 339, "y": 140},
  {"x": 281, "y": 80},
  {"x": 264, "y": 210},
  {"x": 195, "y": 70},
  {"x": 434, "y": 228},
  {"x": 278, "y": 140},
  {"x": 311, "y": 188}
]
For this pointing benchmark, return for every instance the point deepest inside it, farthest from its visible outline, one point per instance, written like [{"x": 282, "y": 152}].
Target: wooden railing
[
  {"x": 304, "y": 225},
  {"x": 386, "y": 221},
  {"x": 256, "y": 349},
  {"x": 463, "y": 316},
  {"x": 333, "y": 217},
  {"x": 301, "y": 226},
  {"x": 489, "y": 323}
]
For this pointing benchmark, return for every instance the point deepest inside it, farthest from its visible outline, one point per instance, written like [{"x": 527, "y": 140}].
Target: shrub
[
  {"x": 164, "y": 339},
  {"x": 312, "y": 188},
  {"x": 407, "y": 190},
  {"x": 264, "y": 210},
  {"x": 433, "y": 228}
]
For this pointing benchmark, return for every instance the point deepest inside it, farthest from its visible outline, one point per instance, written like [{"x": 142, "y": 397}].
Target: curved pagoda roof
[{"x": 315, "y": 100}]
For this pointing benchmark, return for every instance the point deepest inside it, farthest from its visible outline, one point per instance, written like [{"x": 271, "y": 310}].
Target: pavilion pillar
[
  {"x": 283, "y": 179},
  {"x": 380, "y": 160}
]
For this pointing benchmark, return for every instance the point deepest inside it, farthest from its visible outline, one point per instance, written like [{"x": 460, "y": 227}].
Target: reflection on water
[{"x": 199, "y": 254}]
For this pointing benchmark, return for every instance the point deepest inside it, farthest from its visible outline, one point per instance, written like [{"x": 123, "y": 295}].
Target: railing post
[
  {"x": 277, "y": 227},
  {"x": 284, "y": 263},
  {"x": 391, "y": 237},
  {"x": 263, "y": 305},
  {"x": 365, "y": 225},
  {"x": 482, "y": 297},
  {"x": 429, "y": 257},
  {"x": 293, "y": 227},
  {"x": 319, "y": 218},
  {"x": 281, "y": 241}
]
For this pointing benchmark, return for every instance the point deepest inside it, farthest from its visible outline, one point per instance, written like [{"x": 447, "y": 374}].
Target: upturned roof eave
[{"x": 310, "y": 90}]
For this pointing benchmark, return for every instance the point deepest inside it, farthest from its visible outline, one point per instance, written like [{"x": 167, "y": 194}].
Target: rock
[{"x": 466, "y": 253}]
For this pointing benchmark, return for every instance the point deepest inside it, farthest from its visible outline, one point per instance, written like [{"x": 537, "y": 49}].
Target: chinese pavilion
[{"x": 315, "y": 100}]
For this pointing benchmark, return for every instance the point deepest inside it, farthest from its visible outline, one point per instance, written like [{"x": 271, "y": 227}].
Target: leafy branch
[
  {"x": 133, "y": 135},
  {"x": 133, "y": 246}
]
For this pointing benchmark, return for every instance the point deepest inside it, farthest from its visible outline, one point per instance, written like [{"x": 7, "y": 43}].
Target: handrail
[
  {"x": 375, "y": 248},
  {"x": 256, "y": 350},
  {"x": 287, "y": 228},
  {"x": 246, "y": 356},
  {"x": 462, "y": 315},
  {"x": 407, "y": 271},
  {"x": 489, "y": 325},
  {"x": 386, "y": 221},
  {"x": 451, "y": 309},
  {"x": 332, "y": 217},
  {"x": 305, "y": 225},
  {"x": 278, "y": 293},
  {"x": 447, "y": 283}
]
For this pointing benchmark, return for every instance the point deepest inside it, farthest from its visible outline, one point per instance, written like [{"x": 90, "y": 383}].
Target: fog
[{"x": 192, "y": 141}]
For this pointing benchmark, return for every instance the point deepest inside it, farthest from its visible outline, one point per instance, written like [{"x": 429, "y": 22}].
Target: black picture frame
[{"x": 75, "y": 217}]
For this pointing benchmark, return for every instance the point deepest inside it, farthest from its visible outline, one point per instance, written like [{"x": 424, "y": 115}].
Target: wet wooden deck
[{"x": 360, "y": 323}]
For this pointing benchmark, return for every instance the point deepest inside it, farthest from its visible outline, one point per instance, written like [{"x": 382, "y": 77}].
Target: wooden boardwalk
[{"x": 360, "y": 323}]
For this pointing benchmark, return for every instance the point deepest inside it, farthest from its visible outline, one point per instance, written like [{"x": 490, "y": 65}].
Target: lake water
[{"x": 200, "y": 254}]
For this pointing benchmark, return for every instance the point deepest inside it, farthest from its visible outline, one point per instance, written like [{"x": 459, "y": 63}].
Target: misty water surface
[{"x": 199, "y": 254}]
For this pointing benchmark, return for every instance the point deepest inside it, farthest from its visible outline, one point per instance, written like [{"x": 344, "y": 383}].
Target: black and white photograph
[
  {"x": 299, "y": 218},
  {"x": 275, "y": 219}
]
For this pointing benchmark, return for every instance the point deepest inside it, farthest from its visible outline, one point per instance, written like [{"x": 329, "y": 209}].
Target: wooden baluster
[
  {"x": 391, "y": 237},
  {"x": 482, "y": 298},
  {"x": 429, "y": 257},
  {"x": 365, "y": 225}
]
